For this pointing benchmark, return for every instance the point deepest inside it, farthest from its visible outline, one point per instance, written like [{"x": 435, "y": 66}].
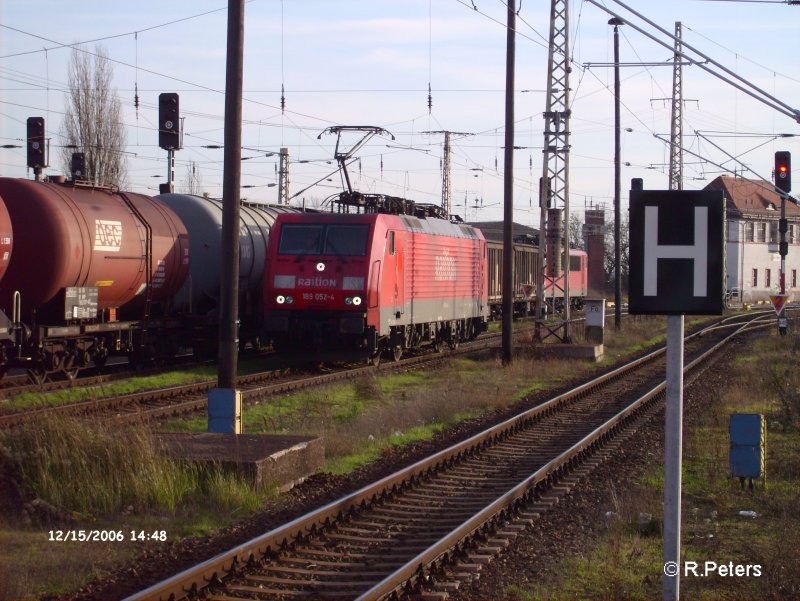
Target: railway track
[
  {"x": 432, "y": 525},
  {"x": 190, "y": 398},
  {"x": 12, "y": 385}
]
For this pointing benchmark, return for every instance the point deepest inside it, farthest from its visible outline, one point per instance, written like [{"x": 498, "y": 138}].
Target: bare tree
[
  {"x": 193, "y": 181},
  {"x": 608, "y": 263},
  {"x": 93, "y": 120},
  {"x": 575, "y": 231}
]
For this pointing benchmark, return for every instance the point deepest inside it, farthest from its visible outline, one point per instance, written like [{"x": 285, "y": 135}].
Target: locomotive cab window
[
  {"x": 321, "y": 239},
  {"x": 346, "y": 240},
  {"x": 299, "y": 239}
]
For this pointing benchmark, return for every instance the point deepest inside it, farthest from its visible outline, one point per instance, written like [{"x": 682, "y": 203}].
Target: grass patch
[
  {"x": 32, "y": 400},
  {"x": 89, "y": 470},
  {"x": 374, "y": 448}
]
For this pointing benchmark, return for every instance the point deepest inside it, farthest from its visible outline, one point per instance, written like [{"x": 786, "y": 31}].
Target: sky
[{"x": 363, "y": 62}]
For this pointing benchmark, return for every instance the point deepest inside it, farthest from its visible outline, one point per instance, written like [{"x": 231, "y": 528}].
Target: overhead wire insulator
[
  {"x": 430, "y": 99},
  {"x": 283, "y": 100}
]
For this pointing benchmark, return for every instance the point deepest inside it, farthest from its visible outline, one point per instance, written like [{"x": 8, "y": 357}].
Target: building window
[
  {"x": 767, "y": 278},
  {"x": 749, "y": 232},
  {"x": 755, "y": 278},
  {"x": 794, "y": 278},
  {"x": 773, "y": 231},
  {"x": 761, "y": 231}
]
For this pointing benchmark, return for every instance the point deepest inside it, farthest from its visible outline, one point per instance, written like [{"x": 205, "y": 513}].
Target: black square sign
[{"x": 677, "y": 246}]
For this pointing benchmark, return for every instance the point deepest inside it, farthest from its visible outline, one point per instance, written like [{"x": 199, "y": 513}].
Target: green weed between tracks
[{"x": 32, "y": 400}]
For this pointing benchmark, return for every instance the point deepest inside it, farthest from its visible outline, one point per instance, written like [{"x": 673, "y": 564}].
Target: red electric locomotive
[{"x": 354, "y": 286}]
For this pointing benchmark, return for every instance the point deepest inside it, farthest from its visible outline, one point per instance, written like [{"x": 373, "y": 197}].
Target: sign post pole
[{"x": 673, "y": 459}]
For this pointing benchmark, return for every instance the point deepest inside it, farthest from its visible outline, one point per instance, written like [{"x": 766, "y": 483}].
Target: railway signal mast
[
  {"x": 554, "y": 187},
  {"x": 169, "y": 134},
  {"x": 783, "y": 182},
  {"x": 36, "y": 146}
]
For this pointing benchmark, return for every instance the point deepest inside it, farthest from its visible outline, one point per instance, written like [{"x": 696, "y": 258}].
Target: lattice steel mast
[
  {"x": 283, "y": 177},
  {"x": 554, "y": 186},
  {"x": 447, "y": 178},
  {"x": 676, "y": 133}
]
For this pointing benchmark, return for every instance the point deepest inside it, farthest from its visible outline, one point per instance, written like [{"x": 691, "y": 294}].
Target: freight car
[
  {"x": 527, "y": 267},
  {"x": 199, "y": 295},
  {"x": 359, "y": 285},
  {"x": 93, "y": 271}
]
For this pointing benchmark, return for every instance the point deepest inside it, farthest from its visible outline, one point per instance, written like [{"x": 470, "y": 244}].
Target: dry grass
[{"x": 84, "y": 468}]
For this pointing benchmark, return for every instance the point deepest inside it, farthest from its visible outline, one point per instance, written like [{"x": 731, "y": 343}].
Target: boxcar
[{"x": 526, "y": 269}]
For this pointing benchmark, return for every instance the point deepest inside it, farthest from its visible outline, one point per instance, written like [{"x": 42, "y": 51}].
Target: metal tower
[
  {"x": 283, "y": 177},
  {"x": 447, "y": 192},
  {"x": 554, "y": 186},
  {"x": 446, "y": 196},
  {"x": 676, "y": 133}
]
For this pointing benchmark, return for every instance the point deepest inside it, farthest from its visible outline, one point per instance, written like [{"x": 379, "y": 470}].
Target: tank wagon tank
[
  {"x": 94, "y": 271},
  {"x": 354, "y": 286},
  {"x": 6, "y": 238},
  {"x": 199, "y": 295}
]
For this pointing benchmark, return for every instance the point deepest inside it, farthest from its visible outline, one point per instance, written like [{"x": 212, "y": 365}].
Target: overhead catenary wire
[{"x": 754, "y": 92}]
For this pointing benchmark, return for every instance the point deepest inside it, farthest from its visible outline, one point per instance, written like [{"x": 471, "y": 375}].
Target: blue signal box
[{"x": 748, "y": 452}]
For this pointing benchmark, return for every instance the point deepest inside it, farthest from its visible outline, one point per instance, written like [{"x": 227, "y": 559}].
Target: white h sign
[{"x": 653, "y": 251}]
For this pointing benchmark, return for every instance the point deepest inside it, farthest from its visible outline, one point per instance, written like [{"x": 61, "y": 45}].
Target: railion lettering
[{"x": 317, "y": 282}]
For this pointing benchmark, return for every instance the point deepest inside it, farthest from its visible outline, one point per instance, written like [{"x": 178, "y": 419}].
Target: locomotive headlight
[
  {"x": 289, "y": 300},
  {"x": 356, "y": 300},
  {"x": 280, "y": 299},
  {"x": 320, "y": 266},
  {"x": 348, "y": 300}
]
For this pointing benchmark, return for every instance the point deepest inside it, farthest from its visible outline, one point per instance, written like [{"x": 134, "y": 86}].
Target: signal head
[{"x": 783, "y": 170}]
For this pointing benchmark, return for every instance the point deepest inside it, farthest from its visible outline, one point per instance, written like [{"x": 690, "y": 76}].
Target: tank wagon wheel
[
  {"x": 71, "y": 373},
  {"x": 375, "y": 359}
]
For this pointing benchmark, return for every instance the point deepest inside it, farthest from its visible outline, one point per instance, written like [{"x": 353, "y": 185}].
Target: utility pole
[
  {"x": 283, "y": 177},
  {"x": 225, "y": 402},
  {"x": 554, "y": 188},
  {"x": 508, "y": 185},
  {"x": 616, "y": 22}
]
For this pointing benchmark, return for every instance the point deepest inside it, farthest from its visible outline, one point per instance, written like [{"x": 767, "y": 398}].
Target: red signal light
[{"x": 783, "y": 171}]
